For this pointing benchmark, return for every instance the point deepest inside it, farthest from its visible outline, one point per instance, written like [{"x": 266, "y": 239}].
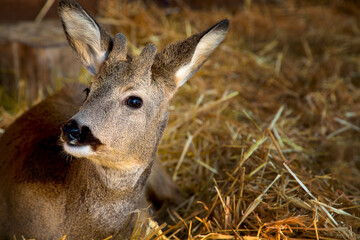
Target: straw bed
[{"x": 265, "y": 139}]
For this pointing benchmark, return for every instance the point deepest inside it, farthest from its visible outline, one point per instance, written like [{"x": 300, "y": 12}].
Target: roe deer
[{"x": 86, "y": 177}]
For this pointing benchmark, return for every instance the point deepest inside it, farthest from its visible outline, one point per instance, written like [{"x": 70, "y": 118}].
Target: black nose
[
  {"x": 71, "y": 132},
  {"x": 74, "y": 134}
]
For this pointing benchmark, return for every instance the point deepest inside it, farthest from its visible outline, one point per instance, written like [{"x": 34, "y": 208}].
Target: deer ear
[
  {"x": 90, "y": 42},
  {"x": 183, "y": 59}
]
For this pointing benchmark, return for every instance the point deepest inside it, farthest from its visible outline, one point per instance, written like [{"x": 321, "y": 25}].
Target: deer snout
[{"x": 76, "y": 135}]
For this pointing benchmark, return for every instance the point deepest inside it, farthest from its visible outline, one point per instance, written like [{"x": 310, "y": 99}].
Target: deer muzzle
[{"x": 75, "y": 135}]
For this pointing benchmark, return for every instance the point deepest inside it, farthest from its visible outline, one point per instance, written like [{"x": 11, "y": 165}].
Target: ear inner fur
[
  {"x": 204, "y": 48},
  {"x": 91, "y": 43},
  {"x": 179, "y": 61}
]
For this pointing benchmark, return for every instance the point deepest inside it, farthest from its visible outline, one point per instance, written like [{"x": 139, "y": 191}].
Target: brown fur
[{"x": 45, "y": 192}]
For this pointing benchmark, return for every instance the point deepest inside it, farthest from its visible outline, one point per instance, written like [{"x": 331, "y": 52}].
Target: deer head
[{"x": 125, "y": 111}]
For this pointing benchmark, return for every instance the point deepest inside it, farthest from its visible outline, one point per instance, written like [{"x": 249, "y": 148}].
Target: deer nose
[
  {"x": 77, "y": 135},
  {"x": 71, "y": 132}
]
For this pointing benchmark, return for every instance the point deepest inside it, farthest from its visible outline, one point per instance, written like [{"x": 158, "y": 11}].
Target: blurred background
[{"x": 283, "y": 88}]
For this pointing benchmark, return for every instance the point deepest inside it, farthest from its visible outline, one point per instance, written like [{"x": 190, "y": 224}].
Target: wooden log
[
  {"x": 27, "y": 10},
  {"x": 32, "y": 58}
]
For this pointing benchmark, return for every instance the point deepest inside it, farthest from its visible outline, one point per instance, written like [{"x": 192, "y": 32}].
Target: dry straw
[{"x": 265, "y": 139}]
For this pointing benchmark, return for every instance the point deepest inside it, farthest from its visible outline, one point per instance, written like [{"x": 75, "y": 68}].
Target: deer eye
[
  {"x": 86, "y": 91},
  {"x": 134, "y": 102}
]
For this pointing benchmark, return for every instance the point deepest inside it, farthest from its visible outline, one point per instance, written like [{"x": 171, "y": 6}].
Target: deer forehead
[
  {"x": 122, "y": 73},
  {"x": 120, "y": 89},
  {"x": 118, "y": 80}
]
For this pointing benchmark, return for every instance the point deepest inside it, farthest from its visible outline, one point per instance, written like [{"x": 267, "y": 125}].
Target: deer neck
[
  {"x": 104, "y": 196},
  {"x": 94, "y": 176}
]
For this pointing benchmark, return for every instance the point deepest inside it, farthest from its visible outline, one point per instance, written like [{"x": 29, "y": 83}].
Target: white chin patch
[{"x": 78, "y": 151}]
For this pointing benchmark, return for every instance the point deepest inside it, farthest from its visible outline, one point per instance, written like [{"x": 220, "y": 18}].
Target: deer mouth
[{"x": 78, "y": 151}]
